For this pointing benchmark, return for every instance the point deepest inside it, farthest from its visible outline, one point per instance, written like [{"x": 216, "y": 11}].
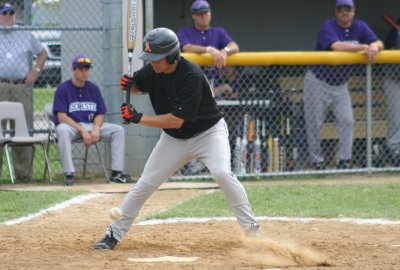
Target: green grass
[
  {"x": 42, "y": 96},
  {"x": 292, "y": 200},
  {"x": 38, "y": 165},
  {"x": 349, "y": 200},
  {"x": 18, "y": 204}
]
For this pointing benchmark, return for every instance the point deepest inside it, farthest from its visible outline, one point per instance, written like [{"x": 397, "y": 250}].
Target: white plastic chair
[
  {"x": 52, "y": 139},
  {"x": 14, "y": 111}
]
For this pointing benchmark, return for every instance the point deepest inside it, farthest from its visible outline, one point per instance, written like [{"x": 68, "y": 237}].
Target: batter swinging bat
[{"x": 131, "y": 26}]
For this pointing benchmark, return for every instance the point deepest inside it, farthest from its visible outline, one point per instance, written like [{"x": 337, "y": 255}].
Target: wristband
[{"x": 208, "y": 48}]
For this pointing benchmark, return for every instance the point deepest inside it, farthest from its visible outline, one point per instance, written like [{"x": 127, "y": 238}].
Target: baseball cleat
[
  {"x": 254, "y": 231},
  {"x": 69, "y": 179},
  {"x": 121, "y": 178},
  {"x": 108, "y": 241}
]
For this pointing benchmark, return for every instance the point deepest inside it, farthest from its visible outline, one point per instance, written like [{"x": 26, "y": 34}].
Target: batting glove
[
  {"x": 127, "y": 82},
  {"x": 129, "y": 114}
]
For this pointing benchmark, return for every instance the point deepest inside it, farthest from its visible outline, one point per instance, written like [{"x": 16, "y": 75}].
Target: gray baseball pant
[
  {"x": 319, "y": 97},
  {"x": 109, "y": 132},
  {"x": 212, "y": 148},
  {"x": 392, "y": 96}
]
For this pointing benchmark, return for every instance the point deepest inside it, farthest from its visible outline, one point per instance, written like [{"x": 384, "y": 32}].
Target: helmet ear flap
[{"x": 172, "y": 58}]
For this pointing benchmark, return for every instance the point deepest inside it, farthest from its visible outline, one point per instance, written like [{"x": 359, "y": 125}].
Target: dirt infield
[{"x": 62, "y": 240}]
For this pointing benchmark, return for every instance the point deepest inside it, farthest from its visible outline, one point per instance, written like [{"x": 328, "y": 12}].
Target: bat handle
[
  {"x": 130, "y": 72},
  {"x": 127, "y": 99},
  {"x": 130, "y": 57}
]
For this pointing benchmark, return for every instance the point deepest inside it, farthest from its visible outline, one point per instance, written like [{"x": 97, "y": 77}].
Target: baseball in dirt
[{"x": 115, "y": 213}]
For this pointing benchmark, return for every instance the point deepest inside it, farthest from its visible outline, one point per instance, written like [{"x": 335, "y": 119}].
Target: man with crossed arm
[{"x": 325, "y": 87}]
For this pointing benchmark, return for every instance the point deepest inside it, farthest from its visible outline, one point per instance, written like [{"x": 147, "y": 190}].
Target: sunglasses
[
  {"x": 344, "y": 9},
  {"x": 5, "y": 13},
  {"x": 84, "y": 60}
]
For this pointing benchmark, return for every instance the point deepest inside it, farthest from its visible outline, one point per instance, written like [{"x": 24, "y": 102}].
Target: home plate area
[{"x": 164, "y": 259}]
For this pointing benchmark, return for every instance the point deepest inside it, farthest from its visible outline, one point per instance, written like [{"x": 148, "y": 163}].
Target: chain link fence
[
  {"x": 64, "y": 30},
  {"x": 266, "y": 112}
]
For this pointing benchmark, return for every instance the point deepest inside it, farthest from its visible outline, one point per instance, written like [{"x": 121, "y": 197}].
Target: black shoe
[
  {"x": 120, "y": 177},
  {"x": 69, "y": 179},
  {"x": 319, "y": 166},
  {"x": 108, "y": 241},
  {"x": 344, "y": 164}
]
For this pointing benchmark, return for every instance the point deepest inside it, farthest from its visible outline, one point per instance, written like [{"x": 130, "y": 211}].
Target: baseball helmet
[{"x": 160, "y": 43}]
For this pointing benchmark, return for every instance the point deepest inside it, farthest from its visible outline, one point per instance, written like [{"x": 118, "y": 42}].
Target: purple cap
[
  {"x": 81, "y": 61},
  {"x": 340, "y": 3},
  {"x": 200, "y": 6},
  {"x": 6, "y": 7}
]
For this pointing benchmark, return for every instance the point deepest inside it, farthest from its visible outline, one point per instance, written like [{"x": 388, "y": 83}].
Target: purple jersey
[
  {"x": 81, "y": 104},
  {"x": 215, "y": 37},
  {"x": 358, "y": 33}
]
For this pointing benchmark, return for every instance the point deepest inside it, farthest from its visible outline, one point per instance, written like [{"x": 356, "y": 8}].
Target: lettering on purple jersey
[{"x": 82, "y": 106}]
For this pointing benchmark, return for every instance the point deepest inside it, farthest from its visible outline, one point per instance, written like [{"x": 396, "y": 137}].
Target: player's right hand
[
  {"x": 129, "y": 114},
  {"x": 126, "y": 82}
]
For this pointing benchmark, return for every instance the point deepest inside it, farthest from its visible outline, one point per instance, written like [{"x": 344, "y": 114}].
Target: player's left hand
[{"x": 129, "y": 114}]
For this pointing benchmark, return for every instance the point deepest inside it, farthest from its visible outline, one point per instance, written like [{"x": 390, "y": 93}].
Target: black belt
[{"x": 18, "y": 81}]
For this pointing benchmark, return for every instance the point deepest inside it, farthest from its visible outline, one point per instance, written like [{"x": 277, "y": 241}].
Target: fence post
[{"x": 369, "y": 117}]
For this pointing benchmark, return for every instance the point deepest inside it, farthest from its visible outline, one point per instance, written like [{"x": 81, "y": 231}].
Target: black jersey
[{"x": 184, "y": 93}]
